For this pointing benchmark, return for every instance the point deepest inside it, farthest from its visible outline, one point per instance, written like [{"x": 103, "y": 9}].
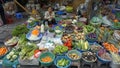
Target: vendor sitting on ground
[{"x": 50, "y": 16}]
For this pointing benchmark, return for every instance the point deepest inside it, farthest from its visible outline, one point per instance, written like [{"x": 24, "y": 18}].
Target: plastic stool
[
  {"x": 76, "y": 64},
  {"x": 90, "y": 64},
  {"x": 19, "y": 15},
  {"x": 9, "y": 20},
  {"x": 102, "y": 63}
]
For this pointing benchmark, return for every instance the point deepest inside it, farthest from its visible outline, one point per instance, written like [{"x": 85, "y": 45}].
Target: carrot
[
  {"x": 110, "y": 47},
  {"x": 3, "y": 50},
  {"x": 46, "y": 59}
]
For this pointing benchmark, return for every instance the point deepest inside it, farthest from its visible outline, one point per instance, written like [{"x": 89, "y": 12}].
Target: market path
[{"x": 5, "y": 30}]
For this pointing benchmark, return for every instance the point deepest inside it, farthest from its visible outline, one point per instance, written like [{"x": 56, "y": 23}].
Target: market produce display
[
  {"x": 80, "y": 36},
  {"x": 89, "y": 29},
  {"x": 20, "y": 29},
  {"x": 82, "y": 45},
  {"x": 115, "y": 57},
  {"x": 116, "y": 35},
  {"x": 3, "y": 51},
  {"x": 27, "y": 51},
  {"x": 66, "y": 37},
  {"x": 60, "y": 49},
  {"x": 110, "y": 47},
  {"x": 11, "y": 42},
  {"x": 46, "y": 59},
  {"x": 89, "y": 56},
  {"x": 69, "y": 29},
  {"x": 95, "y": 47},
  {"x": 62, "y": 62},
  {"x": 92, "y": 36},
  {"x": 74, "y": 55},
  {"x": 13, "y": 55},
  {"x": 73, "y": 39},
  {"x": 103, "y": 55},
  {"x": 95, "y": 21}
]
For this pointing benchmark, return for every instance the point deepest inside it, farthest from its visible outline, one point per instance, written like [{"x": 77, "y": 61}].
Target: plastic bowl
[
  {"x": 36, "y": 39},
  {"x": 59, "y": 58},
  {"x": 102, "y": 60},
  {"x": 91, "y": 40},
  {"x": 76, "y": 52},
  {"x": 89, "y": 61},
  {"x": 44, "y": 55},
  {"x": 95, "y": 44}
]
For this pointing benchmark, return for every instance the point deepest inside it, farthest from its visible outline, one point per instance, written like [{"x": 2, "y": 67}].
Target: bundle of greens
[
  {"x": 27, "y": 51},
  {"x": 20, "y": 29}
]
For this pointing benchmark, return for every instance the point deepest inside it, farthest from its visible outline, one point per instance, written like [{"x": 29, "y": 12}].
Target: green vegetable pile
[
  {"x": 27, "y": 51},
  {"x": 20, "y": 29},
  {"x": 117, "y": 24},
  {"x": 59, "y": 49},
  {"x": 62, "y": 62},
  {"x": 89, "y": 29},
  {"x": 118, "y": 14},
  {"x": 32, "y": 23},
  {"x": 13, "y": 55},
  {"x": 82, "y": 45}
]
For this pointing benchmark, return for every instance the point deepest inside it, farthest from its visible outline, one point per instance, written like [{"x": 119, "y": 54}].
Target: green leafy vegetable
[{"x": 20, "y": 29}]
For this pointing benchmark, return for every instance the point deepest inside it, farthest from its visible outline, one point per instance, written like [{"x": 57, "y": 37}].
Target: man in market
[
  {"x": 50, "y": 16},
  {"x": 2, "y": 13}
]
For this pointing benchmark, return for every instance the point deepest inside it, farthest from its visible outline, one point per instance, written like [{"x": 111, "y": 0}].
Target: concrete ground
[{"x": 5, "y": 30}]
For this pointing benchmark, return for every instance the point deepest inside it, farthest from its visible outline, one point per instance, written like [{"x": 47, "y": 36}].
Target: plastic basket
[
  {"x": 8, "y": 63},
  {"x": 59, "y": 58},
  {"x": 76, "y": 52},
  {"x": 44, "y": 55}
]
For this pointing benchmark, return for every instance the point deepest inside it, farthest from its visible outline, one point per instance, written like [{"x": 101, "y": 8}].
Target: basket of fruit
[
  {"x": 62, "y": 62},
  {"x": 46, "y": 59},
  {"x": 74, "y": 55},
  {"x": 89, "y": 57}
]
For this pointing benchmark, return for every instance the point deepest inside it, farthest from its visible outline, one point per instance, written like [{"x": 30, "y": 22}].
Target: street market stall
[{"x": 65, "y": 44}]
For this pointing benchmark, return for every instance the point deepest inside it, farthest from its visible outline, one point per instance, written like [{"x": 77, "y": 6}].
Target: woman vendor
[{"x": 50, "y": 16}]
